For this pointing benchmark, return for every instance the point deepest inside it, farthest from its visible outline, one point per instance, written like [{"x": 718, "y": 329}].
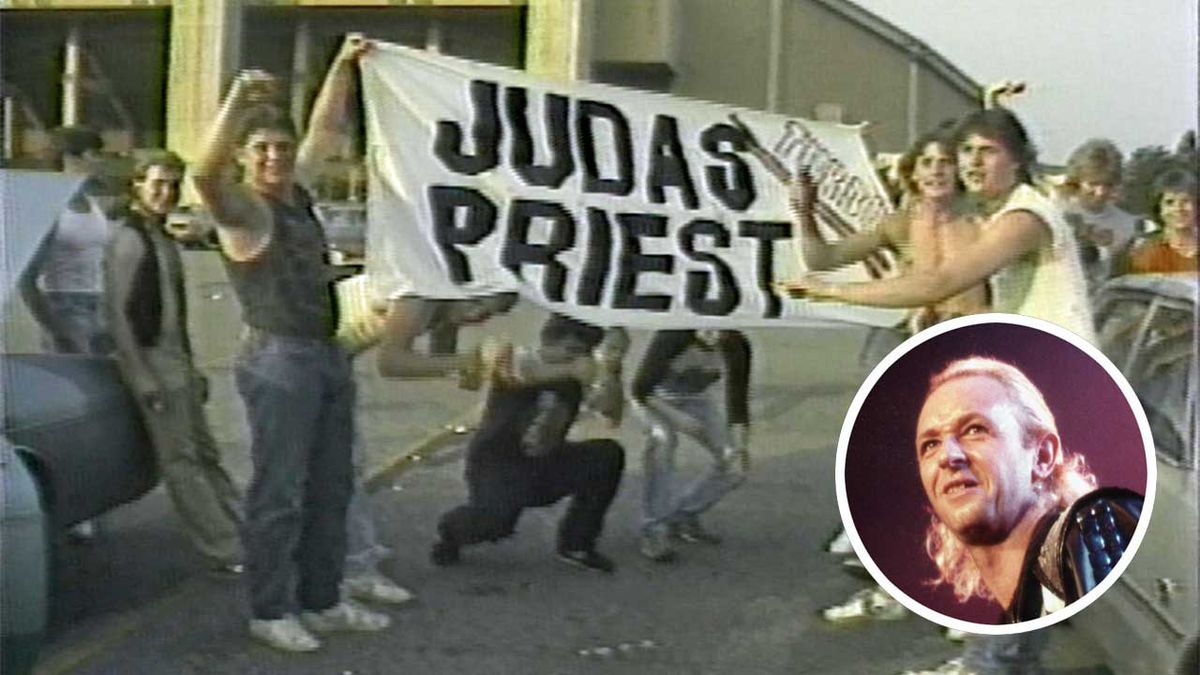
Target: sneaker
[
  {"x": 84, "y": 532},
  {"x": 955, "y": 635},
  {"x": 655, "y": 546},
  {"x": 345, "y": 616},
  {"x": 374, "y": 587},
  {"x": 588, "y": 560},
  {"x": 690, "y": 530},
  {"x": 951, "y": 667},
  {"x": 840, "y": 545},
  {"x": 227, "y": 570},
  {"x": 443, "y": 553},
  {"x": 286, "y": 634},
  {"x": 869, "y": 603}
]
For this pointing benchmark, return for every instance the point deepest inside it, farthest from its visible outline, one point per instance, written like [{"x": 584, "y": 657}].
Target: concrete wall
[{"x": 722, "y": 51}]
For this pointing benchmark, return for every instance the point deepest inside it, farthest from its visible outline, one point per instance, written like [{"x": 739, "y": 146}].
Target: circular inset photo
[{"x": 995, "y": 473}]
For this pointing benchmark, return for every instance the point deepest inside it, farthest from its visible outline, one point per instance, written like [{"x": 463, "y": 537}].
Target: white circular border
[{"x": 852, "y": 417}]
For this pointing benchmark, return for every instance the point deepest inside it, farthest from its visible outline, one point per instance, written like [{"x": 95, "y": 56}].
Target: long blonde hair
[{"x": 1069, "y": 480}]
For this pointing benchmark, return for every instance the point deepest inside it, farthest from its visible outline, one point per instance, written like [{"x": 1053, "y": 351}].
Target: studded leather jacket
[{"x": 1075, "y": 549}]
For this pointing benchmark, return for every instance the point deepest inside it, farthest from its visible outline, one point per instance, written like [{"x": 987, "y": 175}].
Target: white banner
[{"x": 615, "y": 206}]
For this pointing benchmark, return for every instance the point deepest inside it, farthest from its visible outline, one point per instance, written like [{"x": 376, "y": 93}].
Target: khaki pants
[{"x": 190, "y": 463}]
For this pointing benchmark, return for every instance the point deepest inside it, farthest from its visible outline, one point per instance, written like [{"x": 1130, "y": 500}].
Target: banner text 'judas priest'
[{"x": 463, "y": 216}]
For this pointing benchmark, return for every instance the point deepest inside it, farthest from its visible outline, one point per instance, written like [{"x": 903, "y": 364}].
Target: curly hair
[{"x": 1069, "y": 480}]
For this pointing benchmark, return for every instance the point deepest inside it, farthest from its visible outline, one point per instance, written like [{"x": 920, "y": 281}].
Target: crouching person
[{"x": 520, "y": 458}]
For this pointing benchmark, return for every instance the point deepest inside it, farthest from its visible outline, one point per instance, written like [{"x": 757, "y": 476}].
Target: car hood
[{"x": 32, "y": 201}]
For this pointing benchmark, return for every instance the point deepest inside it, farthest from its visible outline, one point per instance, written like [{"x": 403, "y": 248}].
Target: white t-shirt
[
  {"x": 1047, "y": 283},
  {"x": 75, "y": 252},
  {"x": 1123, "y": 225}
]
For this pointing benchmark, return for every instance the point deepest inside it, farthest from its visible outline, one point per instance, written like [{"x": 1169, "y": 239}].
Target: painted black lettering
[
  {"x": 562, "y": 163},
  {"x": 668, "y": 166},
  {"x": 518, "y": 251},
  {"x": 732, "y": 185},
  {"x": 766, "y": 232},
  {"x": 633, "y": 262},
  {"x": 597, "y": 258},
  {"x": 698, "y": 284},
  {"x": 485, "y": 134},
  {"x": 586, "y": 113},
  {"x": 478, "y": 221}
]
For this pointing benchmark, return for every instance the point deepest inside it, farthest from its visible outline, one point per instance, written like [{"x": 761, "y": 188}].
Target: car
[
  {"x": 1148, "y": 621},
  {"x": 72, "y": 440}
]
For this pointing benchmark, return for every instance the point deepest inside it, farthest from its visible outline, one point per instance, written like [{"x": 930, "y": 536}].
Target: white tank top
[
  {"x": 75, "y": 253},
  {"x": 1048, "y": 283}
]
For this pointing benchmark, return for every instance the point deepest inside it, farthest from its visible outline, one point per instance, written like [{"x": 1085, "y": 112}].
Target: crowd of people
[{"x": 973, "y": 231}]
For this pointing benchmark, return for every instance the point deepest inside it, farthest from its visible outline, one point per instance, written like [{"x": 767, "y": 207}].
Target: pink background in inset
[{"x": 883, "y": 488}]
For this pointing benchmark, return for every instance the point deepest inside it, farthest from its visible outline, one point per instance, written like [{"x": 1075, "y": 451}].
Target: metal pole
[
  {"x": 72, "y": 108},
  {"x": 10, "y": 128},
  {"x": 914, "y": 74},
  {"x": 301, "y": 59},
  {"x": 774, "y": 55}
]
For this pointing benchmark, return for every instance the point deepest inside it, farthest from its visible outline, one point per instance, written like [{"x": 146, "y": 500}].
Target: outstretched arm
[
  {"x": 330, "y": 116},
  {"x": 1013, "y": 235}
]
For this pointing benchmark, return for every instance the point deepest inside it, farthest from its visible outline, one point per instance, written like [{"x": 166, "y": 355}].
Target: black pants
[{"x": 589, "y": 472}]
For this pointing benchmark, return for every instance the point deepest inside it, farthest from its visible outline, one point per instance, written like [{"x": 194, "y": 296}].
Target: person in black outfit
[{"x": 520, "y": 458}]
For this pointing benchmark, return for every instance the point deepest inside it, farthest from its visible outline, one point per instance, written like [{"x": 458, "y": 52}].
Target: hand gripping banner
[{"x": 614, "y": 206}]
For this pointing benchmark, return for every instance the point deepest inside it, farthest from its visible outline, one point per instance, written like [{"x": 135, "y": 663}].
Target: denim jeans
[
  {"x": 701, "y": 417},
  {"x": 79, "y": 325},
  {"x": 299, "y": 397},
  {"x": 1019, "y": 654},
  {"x": 363, "y": 549}
]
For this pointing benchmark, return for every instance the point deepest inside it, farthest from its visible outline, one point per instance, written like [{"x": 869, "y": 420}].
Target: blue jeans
[
  {"x": 364, "y": 550},
  {"x": 702, "y": 417},
  {"x": 299, "y": 397},
  {"x": 1019, "y": 654},
  {"x": 79, "y": 325}
]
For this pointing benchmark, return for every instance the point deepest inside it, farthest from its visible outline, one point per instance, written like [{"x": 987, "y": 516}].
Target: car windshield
[{"x": 1163, "y": 375}]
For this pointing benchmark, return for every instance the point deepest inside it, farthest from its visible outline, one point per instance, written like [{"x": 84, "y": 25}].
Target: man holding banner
[{"x": 293, "y": 375}]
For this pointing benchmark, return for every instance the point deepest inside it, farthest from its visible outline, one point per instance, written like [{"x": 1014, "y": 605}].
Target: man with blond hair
[{"x": 1016, "y": 518}]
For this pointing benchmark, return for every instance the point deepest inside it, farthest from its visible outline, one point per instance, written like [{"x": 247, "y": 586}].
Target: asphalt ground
[{"x": 138, "y": 600}]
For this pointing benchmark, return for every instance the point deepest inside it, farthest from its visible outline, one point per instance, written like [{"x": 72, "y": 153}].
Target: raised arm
[
  {"x": 1014, "y": 234},
  {"x": 243, "y": 218},
  {"x": 815, "y": 252},
  {"x": 330, "y": 116}
]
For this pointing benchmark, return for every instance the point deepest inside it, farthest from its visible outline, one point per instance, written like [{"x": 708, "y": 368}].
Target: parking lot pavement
[{"x": 137, "y": 601}]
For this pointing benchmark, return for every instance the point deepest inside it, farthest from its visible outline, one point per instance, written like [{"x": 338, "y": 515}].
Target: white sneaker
[
  {"x": 345, "y": 616},
  {"x": 284, "y": 634},
  {"x": 374, "y": 587},
  {"x": 840, "y": 544},
  {"x": 869, "y": 603},
  {"x": 951, "y": 667},
  {"x": 956, "y": 635}
]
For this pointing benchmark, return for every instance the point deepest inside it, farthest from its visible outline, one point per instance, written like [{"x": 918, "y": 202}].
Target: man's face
[
  {"x": 986, "y": 166},
  {"x": 933, "y": 172},
  {"x": 1094, "y": 194},
  {"x": 976, "y": 470},
  {"x": 158, "y": 192},
  {"x": 1177, "y": 209},
  {"x": 268, "y": 158}
]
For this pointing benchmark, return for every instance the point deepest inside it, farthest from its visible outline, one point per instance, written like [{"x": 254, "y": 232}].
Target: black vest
[
  {"x": 288, "y": 288},
  {"x": 144, "y": 305}
]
